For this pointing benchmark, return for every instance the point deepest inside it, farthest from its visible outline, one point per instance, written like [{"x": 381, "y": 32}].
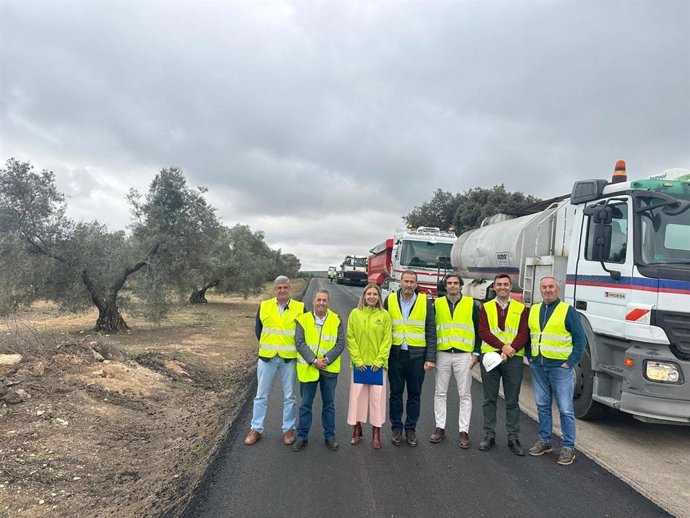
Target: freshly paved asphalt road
[{"x": 269, "y": 479}]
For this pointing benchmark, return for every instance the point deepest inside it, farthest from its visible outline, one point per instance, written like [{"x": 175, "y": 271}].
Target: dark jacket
[
  {"x": 429, "y": 332},
  {"x": 574, "y": 326}
]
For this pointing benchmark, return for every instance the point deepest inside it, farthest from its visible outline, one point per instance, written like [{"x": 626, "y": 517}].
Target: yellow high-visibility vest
[
  {"x": 278, "y": 331},
  {"x": 456, "y": 331},
  {"x": 554, "y": 341},
  {"x": 512, "y": 324},
  {"x": 411, "y": 330},
  {"x": 320, "y": 341}
]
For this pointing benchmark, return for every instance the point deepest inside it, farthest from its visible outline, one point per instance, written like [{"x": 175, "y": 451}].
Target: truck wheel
[
  {"x": 338, "y": 281},
  {"x": 585, "y": 406}
]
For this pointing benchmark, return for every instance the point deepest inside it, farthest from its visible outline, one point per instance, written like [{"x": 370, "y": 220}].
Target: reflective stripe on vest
[
  {"x": 278, "y": 331},
  {"x": 512, "y": 324},
  {"x": 554, "y": 341},
  {"x": 457, "y": 331},
  {"x": 320, "y": 340},
  {"x": 412, "y": 330}
]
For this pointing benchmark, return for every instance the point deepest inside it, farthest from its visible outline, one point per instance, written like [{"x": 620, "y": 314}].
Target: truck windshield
[
  {"x": 665, "y": 235},
  {"x": 424, "y": 254}
]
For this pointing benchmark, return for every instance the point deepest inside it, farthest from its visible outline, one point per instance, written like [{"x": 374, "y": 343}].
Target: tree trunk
[
  {"x": 109, "y": 318},
  {"x": 199, "y": 296}
]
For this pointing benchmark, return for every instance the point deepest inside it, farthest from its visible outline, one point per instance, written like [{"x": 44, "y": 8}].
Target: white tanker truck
[{"x": 621, "y": 253}]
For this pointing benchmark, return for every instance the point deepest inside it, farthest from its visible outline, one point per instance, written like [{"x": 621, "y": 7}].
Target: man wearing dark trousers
[
  {"x": 412, "y": 354},
  {"x": 320, "y": 341},
  {"x": 503, "y": 328}
]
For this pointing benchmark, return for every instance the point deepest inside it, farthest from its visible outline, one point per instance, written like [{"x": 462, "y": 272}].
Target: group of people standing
[{"x": 405, "y": 336}]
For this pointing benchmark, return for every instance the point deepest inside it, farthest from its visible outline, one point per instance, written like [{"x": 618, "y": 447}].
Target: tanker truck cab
[
  {"x": 424, "y": 250},
  {"x": 628, "y": 275}
]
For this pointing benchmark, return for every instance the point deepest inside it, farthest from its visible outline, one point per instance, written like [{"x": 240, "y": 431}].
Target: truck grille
[{"x": 677, "y": 328}]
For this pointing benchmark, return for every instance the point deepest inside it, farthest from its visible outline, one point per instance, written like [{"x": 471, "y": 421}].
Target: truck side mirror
[
  {"x": 600, "y": 213},
  {"x": 602, "y": 216},
  {"x": 444, "y": 262},
  {"x": 602, "y": 242}
]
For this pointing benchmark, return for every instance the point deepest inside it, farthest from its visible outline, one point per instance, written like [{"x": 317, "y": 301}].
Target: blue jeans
[
  {"x": 554, "y": 380},
  {"x": 308, "y": 392},
  {"x": 265, "y": 374},
  {"x": 405, "y": 371}
]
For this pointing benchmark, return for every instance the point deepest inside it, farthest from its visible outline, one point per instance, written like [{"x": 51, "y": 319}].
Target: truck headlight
[{"x": 664, "y": 372}]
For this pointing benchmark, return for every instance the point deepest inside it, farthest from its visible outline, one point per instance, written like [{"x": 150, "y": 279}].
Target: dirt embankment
[{"x": 121, "y": 425}]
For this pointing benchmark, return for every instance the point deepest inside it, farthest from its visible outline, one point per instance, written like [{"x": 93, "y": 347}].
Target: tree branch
[
  {"x": 98, "y": 302},
  {"x": 37, "y": 248}
]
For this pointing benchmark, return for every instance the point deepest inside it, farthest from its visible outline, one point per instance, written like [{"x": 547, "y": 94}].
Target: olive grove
[{"x": 176, "y": 245}]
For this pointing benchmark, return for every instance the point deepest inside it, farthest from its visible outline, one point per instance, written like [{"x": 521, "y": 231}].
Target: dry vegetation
[{"x": 121, "y": 425}]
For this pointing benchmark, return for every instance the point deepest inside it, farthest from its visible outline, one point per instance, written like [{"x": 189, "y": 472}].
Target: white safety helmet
[{"x": 491, "y": 360}]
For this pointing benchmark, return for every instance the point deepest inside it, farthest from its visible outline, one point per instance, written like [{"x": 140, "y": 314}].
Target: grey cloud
[{"x": 308, "y": 108}]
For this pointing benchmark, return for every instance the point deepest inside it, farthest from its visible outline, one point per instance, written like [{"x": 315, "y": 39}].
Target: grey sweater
[{"x": 305, "y": 352}]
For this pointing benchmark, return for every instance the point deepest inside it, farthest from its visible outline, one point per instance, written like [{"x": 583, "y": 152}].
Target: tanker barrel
[{"x": 482, "y": 253}]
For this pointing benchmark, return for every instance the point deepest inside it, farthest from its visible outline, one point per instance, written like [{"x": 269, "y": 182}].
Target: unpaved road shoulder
[{"x": 123, "y": 425}]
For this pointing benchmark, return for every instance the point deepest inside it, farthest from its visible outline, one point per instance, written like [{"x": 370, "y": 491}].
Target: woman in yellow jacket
[{"x": 369, "y": 343}]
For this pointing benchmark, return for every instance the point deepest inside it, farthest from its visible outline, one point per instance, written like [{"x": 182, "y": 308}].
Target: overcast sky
[{"x": 322, "y": 123}]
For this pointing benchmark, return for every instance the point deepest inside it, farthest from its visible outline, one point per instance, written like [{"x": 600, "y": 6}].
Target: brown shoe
[
  {"x": 356, "y": 434},
  {"x": 252, "y": 438},
  {"x": 288, "y": 437},
  {"x": 438, "y": 435},
  {"x": 465, "y": 440},
  {"x": 376, "y": 438}
]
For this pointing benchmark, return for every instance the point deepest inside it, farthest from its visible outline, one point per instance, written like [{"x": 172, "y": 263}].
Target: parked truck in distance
[
  {"x": 424, "y": 250},
  {"x": 353, "y": 270},
  {"x": 621, "y": 253}
]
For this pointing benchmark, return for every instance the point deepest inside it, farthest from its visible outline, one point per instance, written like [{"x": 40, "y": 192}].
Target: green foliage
[
  {"x": 240, "y": 261},
  {"x": 477, "y": 203},
  {"x": 285, "y": 264},
  {"x": 34, "y": 234},
  {"x": 465, "y": 211},
  {"x": 437, "y": 212},
  {"x": 176, "y": 245},
  {"x": 176, "y": 221}
]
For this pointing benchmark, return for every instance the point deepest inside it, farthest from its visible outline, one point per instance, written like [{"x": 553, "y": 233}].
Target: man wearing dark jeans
[
  {"x": 319, "y": 341},
  {"x": 412, "y": 354},
  {"x": 503, "y": 329}
]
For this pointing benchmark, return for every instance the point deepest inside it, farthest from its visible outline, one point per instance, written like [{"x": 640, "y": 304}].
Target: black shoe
[
  {"x": 411, "y": 437},
  {"x": 515, "y": 447},
  {"x": 332, "y": 444},
  {"x": 299, "y": 445},
  {"x": 487, "y": 443},
  {"x": 397, "y": 438}
]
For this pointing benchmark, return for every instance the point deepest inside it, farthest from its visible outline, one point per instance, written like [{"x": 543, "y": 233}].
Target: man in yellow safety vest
[
  {"x": 557, "y": 343},
  {"x": 412, "y": 354},
  {"x": 457, "y": 339},
  {"x": 275, "y": 330},
  {"x": 503, "y": 329},
  {"x": 320, "y": 342}
]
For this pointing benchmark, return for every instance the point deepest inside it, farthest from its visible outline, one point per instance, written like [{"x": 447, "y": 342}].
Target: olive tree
[
  {"x": 76, "y": 264},
  {"x": 241, "y": 262}
]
